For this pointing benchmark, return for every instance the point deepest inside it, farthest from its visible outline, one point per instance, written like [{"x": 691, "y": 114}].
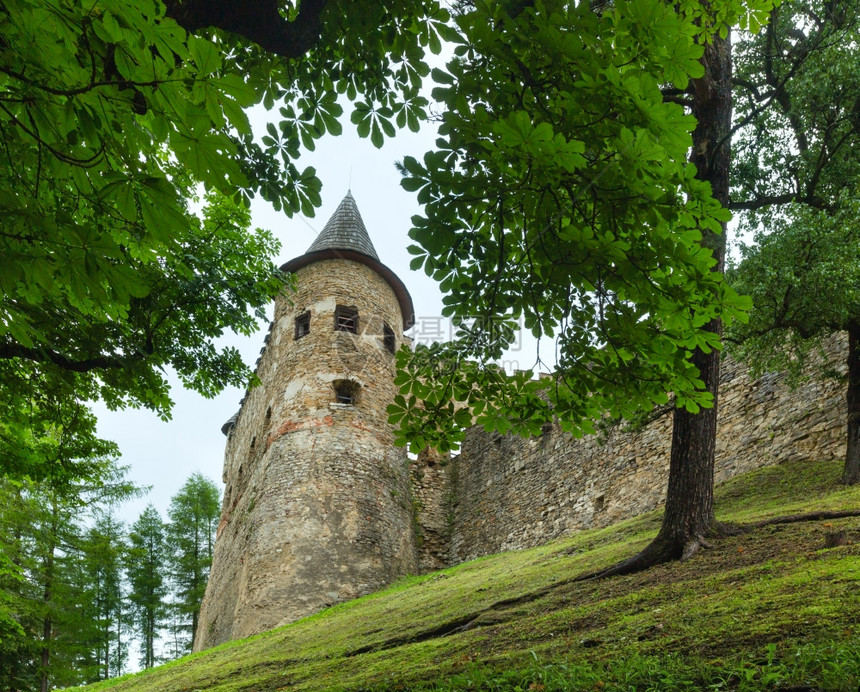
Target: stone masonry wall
[
  {"x": 432, "y": 505},
  {"x": 514, "y": 493}
]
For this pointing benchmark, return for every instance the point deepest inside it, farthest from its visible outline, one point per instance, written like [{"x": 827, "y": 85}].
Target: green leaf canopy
[
  {"x": 115, "y": 117},
  {"x": 560, "y": 194}
]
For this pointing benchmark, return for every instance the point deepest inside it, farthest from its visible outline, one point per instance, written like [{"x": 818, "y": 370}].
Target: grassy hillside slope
[{"x": 769, "y": 609}]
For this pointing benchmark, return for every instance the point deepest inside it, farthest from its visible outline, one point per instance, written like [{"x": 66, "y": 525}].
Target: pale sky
[{"x": 163, "y": 455}]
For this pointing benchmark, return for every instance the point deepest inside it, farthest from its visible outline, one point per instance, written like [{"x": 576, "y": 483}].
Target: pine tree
[
  {"x": 194, "y": 513},
  {"x": 146, "y": 569},
  {"x": 55, "y": 634},
  {"x": 17, "y": 607},
  {"x": 104, "y": 557}
]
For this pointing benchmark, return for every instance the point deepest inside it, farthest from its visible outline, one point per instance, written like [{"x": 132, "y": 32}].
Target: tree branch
[
  {"x": 778, "y": 94},
  {"x": 73, "y": 91},
  {"x": 257, "y": 20},
  {"x": 42, "y": 355},
  {"x": 751, "y": 88},
  {"x": 767, "y": 200},
  {"x": 681, "y": 100}
]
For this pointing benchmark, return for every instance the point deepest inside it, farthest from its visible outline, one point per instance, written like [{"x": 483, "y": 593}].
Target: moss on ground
[{"x": 762, "y": 610}]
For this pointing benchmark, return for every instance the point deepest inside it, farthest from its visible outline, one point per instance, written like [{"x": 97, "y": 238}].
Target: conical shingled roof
[
  {"x": 345, "y": 231},
  {"x": 345, "y": 237}
]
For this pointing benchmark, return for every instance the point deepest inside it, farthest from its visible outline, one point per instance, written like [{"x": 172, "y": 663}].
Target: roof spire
[{"x": 345, "y": 231}]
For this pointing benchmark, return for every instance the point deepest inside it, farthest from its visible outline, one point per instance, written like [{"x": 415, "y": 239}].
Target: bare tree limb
[
  {"x": 761, "y": 201},
  {"x": 43, "y": 355}
]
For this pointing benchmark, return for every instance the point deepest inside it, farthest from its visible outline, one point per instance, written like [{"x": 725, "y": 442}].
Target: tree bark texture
[
  {"x": 851, "y": 472},
  {"x": 689, "y": 511}
]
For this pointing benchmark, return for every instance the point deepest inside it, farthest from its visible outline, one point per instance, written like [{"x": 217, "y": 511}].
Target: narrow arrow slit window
[{"x": 388, "y": 338}]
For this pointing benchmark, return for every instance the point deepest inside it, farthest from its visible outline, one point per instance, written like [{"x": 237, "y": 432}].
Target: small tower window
[
  {"x": 346, "y": 319},
  {"x": 388, "y": 338},
  {"x": 303, "y": 324},
  {"x": 345, "y": 391}
]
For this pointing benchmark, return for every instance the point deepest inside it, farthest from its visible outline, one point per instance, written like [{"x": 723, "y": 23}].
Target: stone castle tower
[{"x": 317, "y": 503}]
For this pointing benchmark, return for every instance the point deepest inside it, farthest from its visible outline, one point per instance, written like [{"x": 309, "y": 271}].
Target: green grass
[{"x": 763, "y": 610}]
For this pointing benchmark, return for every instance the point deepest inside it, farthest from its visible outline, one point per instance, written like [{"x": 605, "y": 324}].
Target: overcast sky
[{"x": 163, "y": 455}]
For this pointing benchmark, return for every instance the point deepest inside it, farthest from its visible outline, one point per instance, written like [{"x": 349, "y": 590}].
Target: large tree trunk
[
  {"x": 689, "y": 514},
  {"x": 851, "y": 473},
  {"x": 689, "y": 511}
]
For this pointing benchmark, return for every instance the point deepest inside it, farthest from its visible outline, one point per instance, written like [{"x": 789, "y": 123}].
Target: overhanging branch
[
  {"x": 44, "y": 355},
  {"x": 257, "y": 20}
]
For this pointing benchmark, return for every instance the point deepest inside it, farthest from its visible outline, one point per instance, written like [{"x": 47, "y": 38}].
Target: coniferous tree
[
  {"x": 50, "y": 458},
  {"x": 146, "y": 569},
  {"x": 45, "y": 546},
  {"x": 194, "y": 513},
  {"x": 176, "y": 639},
  {"x": 104, "y": 557},
  {"x": 17, "y": 607}
]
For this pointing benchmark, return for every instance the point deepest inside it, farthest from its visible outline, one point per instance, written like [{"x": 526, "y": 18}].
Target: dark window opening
[
  {"x": 599, "y": 503},
  {"x": 388, "y": 338},
  {"x": 345, "y": 391},
  {"x": 346, "y": 319},
  {"x": 303, "y": 324},
  {"x": 268, "y": 414}
]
